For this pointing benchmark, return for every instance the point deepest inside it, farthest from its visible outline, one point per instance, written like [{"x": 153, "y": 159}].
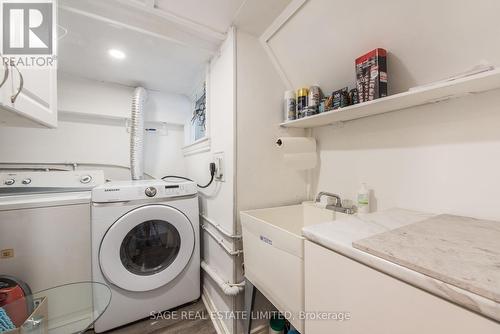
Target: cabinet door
[
  {"x": 5, "y": 85},
  {"x": 34, "y": 94},
  {"x": 29, "y": 98},
  {"x": 377, "y": 303}
]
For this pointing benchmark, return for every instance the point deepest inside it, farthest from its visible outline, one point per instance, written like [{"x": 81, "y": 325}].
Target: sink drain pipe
[{"x": 229, "y": 289}]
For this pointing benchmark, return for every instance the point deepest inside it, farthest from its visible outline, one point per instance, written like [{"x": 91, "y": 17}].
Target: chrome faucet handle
[{"x": 338, "y": 200}]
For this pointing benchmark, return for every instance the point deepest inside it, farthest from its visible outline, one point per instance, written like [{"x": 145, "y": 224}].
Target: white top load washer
[
  {"x": 45, "y": 226},
  {"x": 145, "y": 246}
]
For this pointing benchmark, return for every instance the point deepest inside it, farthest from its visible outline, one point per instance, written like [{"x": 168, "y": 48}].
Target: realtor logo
[{"x": 27, "y": 27}]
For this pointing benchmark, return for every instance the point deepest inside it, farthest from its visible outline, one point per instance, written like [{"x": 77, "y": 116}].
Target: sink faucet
[
  {"x": 338, "y": 200},
  {"x": 337, "y": 207}
]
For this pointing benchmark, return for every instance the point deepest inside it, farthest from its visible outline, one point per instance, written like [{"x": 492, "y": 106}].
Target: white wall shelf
[
  {"x": 425, "y": 95},
  {"x": 80, "y": 117}
]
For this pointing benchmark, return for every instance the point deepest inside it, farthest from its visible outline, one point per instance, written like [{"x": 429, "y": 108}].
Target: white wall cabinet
[
  {"x": 29, "y": 97},
  {"x": 5, "y": 88},
  {"x": 377, "y": 303}
]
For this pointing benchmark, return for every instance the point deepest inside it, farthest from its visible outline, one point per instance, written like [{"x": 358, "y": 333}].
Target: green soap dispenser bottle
[{"x": 363, "y": 199}]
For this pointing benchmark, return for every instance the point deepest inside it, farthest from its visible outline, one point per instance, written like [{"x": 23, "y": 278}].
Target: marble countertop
[{"x": 339, "y": 236}]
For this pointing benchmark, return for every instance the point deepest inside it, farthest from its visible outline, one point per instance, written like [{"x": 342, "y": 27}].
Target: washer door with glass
[{"x": 147, "y": 248}]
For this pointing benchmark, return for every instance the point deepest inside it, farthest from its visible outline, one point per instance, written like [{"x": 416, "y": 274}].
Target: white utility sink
[{"x": 274, "y": 253}]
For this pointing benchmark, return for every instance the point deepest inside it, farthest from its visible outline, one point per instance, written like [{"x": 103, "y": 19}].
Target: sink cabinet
[{"x": 377, "y": 303}]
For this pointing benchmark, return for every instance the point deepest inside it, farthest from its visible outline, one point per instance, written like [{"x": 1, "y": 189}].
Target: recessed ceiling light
[{"x": 117, "y": 54}]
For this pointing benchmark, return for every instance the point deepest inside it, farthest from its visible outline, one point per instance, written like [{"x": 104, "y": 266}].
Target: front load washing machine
[{"x": 145, "y": 246}]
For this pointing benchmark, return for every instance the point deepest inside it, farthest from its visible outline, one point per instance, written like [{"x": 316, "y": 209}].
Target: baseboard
[{"x": 220, "y": 326}]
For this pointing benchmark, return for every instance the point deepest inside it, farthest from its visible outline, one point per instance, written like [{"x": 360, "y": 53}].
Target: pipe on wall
[
  {"x": 229, "y": 289},
  {"x": 137, "y": 133},
  {"x": 220, "y": 228},
  {"x": 221, "y": 243}
]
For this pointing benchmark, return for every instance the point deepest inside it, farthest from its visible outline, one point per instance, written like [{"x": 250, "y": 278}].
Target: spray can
[
  {"x": 314, "y": 96},
  {"x": 290, "y": 106},
  {"x": 302, "y": 97}
]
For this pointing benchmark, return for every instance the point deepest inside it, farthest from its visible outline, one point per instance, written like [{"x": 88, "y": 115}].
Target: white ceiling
[
  {"x": 150, "y": 61},
  {"x": 252, "y": 16},
  {"x": 215, "y": 14},
  {"x": 255, "y": 16},
  {"x": 167, "y": 42}
]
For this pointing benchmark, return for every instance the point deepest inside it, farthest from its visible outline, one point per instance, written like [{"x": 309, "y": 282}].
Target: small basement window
[
  {"x": 199, "y": 120},
  {"x": 196, "y": 128}
]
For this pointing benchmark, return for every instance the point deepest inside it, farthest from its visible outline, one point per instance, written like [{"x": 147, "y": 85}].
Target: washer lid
[
  {"x": 43, "y": 200},
  {"x": 147, "y": 248}
]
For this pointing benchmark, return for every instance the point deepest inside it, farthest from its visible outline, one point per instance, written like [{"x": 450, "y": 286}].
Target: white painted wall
[
  {"x": 77, "y": 94},
  {"x": 263, "y": 179},
  {"x": 94, "y": 97},
  {"x": 217, "y": 202},
  {"x": 426, "y": 40},
  {"x": 97, "y": 142},
  {"x": 436, "y": 158},
  {"x": 441, "y": 158}
]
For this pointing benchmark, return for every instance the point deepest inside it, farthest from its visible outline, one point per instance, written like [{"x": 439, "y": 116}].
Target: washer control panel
[
  {"x": 40, "y": 182},
  {"x": 123, "y": 191}
]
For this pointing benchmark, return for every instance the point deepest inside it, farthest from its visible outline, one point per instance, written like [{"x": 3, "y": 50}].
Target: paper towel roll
[
  {"x": 298, "y": 152},
  {"x": 301, "y": 161},
  {"x": 290, "y": 145}
]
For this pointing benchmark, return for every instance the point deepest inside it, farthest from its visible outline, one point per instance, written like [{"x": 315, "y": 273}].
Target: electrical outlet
[{"x": 219, "y": 166}]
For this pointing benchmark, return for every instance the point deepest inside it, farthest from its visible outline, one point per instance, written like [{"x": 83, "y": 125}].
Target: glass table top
[{"x": 65, "y": 309}]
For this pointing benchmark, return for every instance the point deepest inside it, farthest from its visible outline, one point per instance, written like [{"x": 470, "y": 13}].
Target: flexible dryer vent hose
[{"x": 137, "y": 133}]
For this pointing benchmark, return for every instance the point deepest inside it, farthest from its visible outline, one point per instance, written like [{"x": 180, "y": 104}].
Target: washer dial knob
[
  {"x": 86, "y": 179},
  {"x": 9, "y": 182},
  {"x": 26, "y": 181},
  {"x": 150, "y": 191}
]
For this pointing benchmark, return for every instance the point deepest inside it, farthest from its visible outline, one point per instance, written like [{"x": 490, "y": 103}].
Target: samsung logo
[
  {"x": 111, "y": 189},
  {"x": 266, "y": 240}
]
